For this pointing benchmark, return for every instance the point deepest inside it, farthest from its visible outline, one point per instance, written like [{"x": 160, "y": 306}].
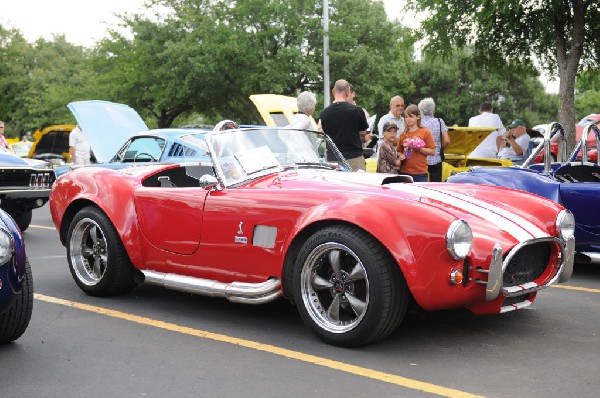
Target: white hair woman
[
  {"x": 438, "y": 129},
  {"x": 307, "y": 103}
]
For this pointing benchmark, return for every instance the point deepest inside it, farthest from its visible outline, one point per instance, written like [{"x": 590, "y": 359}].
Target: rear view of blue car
[{"x": 16, "y": 283}]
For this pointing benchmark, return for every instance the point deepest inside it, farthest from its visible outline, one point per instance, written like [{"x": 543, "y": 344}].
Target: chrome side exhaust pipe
[{"x": 236, "y": 292}]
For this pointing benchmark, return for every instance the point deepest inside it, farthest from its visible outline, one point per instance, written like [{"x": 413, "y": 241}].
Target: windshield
[{"x": 243, "y": 154}]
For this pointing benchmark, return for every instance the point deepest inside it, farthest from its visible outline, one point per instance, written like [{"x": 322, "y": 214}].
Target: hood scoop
[{"x": 396, "y": 179}]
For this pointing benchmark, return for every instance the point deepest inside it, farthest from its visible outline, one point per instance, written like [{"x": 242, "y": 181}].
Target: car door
[
  {"x": 248, "y": 229},
  {"x": 170, "y": 218}
]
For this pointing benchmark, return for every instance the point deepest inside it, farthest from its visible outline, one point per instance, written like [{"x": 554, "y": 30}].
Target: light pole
[{"x": 325, "y": 53}]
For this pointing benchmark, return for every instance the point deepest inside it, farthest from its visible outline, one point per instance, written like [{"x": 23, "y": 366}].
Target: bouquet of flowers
[{"x": 412, "y": 143}]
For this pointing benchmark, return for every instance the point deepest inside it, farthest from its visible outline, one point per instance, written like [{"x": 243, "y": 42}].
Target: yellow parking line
[
  {"x": 312, "y": 359},
  {"x": 581, "y": 289},
  {"x": 42, "y": 227}
]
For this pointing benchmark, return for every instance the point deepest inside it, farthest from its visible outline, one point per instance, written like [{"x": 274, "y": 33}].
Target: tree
[
  {"x": 239, "y": 48},
  {"x": 459, "y": 84},
  {"x": 14, "y": 60},
  {"x": 563, "y": 35},
  {"x": 587, "y": 94}
]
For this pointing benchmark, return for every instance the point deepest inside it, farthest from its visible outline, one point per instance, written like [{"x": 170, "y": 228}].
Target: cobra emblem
[{"x": 240, "y": 231}]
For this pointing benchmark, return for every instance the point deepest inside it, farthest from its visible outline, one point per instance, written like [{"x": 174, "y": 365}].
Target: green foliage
[
  {"x": 587, "y": 102},
  {"x": 459, "y": 84},
  {"x": 563, "y": 36}
]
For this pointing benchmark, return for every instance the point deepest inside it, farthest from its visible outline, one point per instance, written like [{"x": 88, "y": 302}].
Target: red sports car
[{"x": 276, "y": 215}]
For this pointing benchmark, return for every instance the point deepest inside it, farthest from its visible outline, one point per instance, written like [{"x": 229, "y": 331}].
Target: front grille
[
  {"x": 515, "y": 300},
  {"x": 18, "y": 178},
  {"x": 527, "y": 264}
]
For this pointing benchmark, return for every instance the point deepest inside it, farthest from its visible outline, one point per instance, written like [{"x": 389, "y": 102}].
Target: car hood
[
  {"x": 276, "y": 110},
  {"x": 106, "y": 125},
  {"x": 463, "y": 140},
  {"x": 8, "y": 159},
  {"x": 478, "y": 202}
]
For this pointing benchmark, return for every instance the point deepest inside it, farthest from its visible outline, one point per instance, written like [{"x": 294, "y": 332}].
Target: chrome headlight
[
  {"x": 565, "y": 224},
  {"x": 459, "y": 239},
  {"x": 7, "y": 246}
]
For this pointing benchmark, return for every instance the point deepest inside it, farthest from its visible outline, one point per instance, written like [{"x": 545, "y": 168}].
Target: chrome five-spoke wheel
[
  {"x": 97, "y": 259},
  {"x": 335, "y": 288},
  {"x": 88, "y": 251},
  {"x": 348, "y": 288}
]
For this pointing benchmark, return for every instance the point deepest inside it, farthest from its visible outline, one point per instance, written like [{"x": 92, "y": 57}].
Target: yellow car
[
  {"x": 463, "y": 140},
  {"x": 276, "y": 110},
  {"x": 52, "y": 144}
]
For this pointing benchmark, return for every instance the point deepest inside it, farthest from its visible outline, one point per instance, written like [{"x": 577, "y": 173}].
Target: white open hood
[{"x": 106, "y": 125}]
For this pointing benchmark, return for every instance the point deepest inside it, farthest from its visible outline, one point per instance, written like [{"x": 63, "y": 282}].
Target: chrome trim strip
[
  {"x": 496, "y": 270},
  {"x": 569, "y": 261},
  {"x": 236, "y": 292}
]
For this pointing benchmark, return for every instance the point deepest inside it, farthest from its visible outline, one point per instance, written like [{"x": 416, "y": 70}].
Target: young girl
[
  {"x": 388, "y": 161},
  {"x": 415, "y": 162}
]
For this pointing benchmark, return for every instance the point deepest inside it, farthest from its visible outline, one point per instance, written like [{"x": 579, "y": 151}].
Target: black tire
[
  {"x": 97, "y": 259},
  {"x": 348, "y": 288},
  {"x": 23, "y": 219},
  {"x": 14, "y": 322}
]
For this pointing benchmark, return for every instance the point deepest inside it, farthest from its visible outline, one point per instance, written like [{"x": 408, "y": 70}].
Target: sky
[{"x": 85, "y": 22}]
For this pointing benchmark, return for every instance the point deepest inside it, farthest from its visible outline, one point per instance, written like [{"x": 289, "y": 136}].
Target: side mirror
[{"x": 208, "y": 181}]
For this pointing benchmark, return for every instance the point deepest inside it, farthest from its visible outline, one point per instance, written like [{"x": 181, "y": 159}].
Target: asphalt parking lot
[{"x": 154, "y": 342}]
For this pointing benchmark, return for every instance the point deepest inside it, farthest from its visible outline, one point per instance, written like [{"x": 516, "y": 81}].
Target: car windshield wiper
[{"x": 319, "y": 165}]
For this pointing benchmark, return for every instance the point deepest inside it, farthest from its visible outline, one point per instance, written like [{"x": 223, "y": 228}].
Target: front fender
[{"x": 107, "y": 191}]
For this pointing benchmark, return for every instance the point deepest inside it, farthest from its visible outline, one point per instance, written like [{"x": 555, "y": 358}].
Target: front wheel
[
  {"x": 23, "y": 219},
  {"x": 14, "y": 322},
  {"x": 348, "y": 289},
  {"x": 97, "y": 258}
]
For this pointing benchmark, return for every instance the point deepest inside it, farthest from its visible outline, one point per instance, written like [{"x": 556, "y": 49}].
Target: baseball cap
[
  {"x": 389, "y": 125},
  {"x": 515, "y": 123}
]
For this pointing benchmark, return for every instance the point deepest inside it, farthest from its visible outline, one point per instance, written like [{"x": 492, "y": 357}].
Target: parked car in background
[
  {"x": 575, "y": 184},
  {"x": 270, "y": 217},
  {"x": 591, "y": 139},
  {"x": 463, "y": 140},
  {"x": 119, "y": 137},
  {"x": 276, "y": 110},
  {"x": 52, "y": 144},
  {"x": 16, "y": 283},
  {"x": 24, "y": 185}
]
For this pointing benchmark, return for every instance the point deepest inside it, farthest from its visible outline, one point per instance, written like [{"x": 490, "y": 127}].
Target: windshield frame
[{"x": 257, "y": 157}]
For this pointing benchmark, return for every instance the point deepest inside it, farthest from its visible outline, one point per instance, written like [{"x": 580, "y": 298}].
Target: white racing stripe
[{"x": 517, "y": 226}]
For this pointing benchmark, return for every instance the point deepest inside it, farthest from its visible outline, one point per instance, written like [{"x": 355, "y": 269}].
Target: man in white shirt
[
  {"x": 79, "y": 148},
  {"x": 487, "y": 118},
  {"x": 395, "y": 116},
  {"x": 514, "y": 144}
]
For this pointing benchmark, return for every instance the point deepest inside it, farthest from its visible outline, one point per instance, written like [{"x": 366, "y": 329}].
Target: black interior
[
  {"x": 578, "y": 172},
  {"x": 184, "y": 176}
]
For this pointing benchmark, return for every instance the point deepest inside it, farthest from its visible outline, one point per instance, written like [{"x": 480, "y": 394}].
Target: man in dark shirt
[{"x": 347, "y": 126}]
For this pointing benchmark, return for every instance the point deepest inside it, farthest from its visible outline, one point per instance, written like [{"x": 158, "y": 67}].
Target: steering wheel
[{"x": 152, "y": 158}]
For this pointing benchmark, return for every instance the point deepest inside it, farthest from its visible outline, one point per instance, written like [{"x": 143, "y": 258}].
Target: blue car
[
  {"x": 119, "y": 137},
  {"x": 16, "y": 283},
  {"x": 574, "y": 183}
]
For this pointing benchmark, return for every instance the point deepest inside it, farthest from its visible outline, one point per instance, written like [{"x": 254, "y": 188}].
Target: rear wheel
[
  {"x": 348, "y": 289},
  {"x": 14, "y": 322},
  {"x": 97, "y": 258}
]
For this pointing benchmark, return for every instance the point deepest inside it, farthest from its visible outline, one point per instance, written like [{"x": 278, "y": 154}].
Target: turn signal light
[{"x": 456, "y": 277}]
